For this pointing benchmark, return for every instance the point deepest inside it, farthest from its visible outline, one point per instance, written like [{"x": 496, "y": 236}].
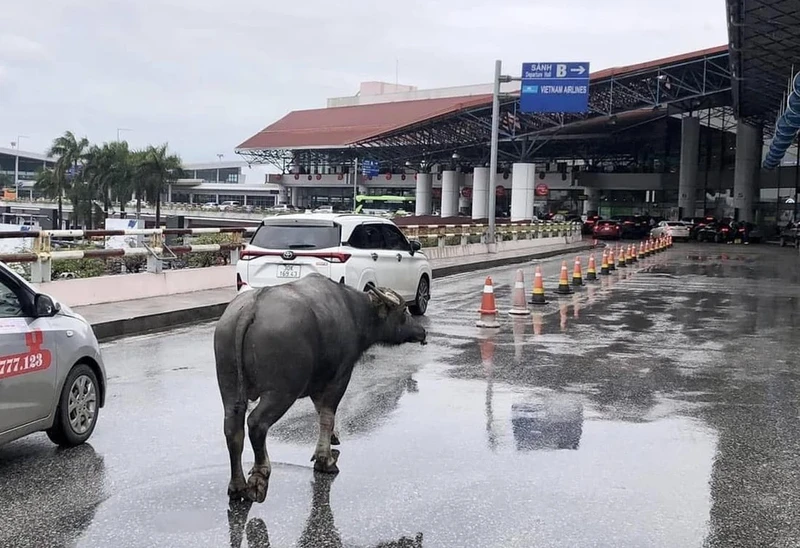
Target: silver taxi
[{"x": 52, "y": 376}]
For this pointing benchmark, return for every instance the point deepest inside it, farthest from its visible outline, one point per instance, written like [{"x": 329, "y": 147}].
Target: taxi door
[{"x": 28, "y": 371}]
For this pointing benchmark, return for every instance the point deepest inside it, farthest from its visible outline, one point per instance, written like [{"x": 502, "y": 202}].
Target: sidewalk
[{"x": 123, "y": 318}]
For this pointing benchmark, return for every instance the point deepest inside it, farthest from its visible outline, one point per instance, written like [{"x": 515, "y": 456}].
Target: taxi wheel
[{"x": 76, "y": 414}]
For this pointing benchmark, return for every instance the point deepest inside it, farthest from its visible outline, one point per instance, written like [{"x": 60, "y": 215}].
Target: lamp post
[
  {"x": 15, "y": 146},
  {"x": 121, "y": 129}
]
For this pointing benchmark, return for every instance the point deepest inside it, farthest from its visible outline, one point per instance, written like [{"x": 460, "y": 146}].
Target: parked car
[
  {"x": 789, "y": 235},
  {"x": 714, "y": 231},
  {"x": 632, "y": 226},
  {"x": 696, "y": 224},
  {"x": 357, "y": 250},
  {"x": 52, "y": 376},
  {"x": 229, "y": 204},
  {"x": 588, "y": 224},
  {"x": 677, "y": 229},
  {"x": 607, "y": 229}
]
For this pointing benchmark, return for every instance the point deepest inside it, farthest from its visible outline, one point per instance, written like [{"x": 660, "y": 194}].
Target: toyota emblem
[{"x": 288, "y": 255}]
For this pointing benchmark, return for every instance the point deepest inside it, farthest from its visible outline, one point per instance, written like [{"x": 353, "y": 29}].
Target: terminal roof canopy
[
  {"x": 431, "y": 130},
  {"x": 765, "y": 47},
  {"x": 340, "y": 127}
]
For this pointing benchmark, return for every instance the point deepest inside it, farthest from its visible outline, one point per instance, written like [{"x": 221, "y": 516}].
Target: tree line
[{"x": 96, "y": 177}]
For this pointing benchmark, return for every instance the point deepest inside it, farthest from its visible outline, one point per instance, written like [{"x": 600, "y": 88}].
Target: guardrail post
[
  {"x": 42, "y": 269},
  {"x": 154, "y": 263},
  {"x": 465, "y": 234},
  {"x": 236, "y": 239}
]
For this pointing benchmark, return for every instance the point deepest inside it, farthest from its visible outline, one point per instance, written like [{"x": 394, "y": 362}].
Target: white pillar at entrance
[
  {"x": 449, "y": 194},
  {"x": 283, "y": 194},
  {"x": 522, "y": 185},
  {"x": 295, "y": 196},
  {"x": 423, "y": 195},
  {"x": 480, "y": 193},
  {"x": 749, "y": 144},
  {"x": 592, "y": 202},
  {"x": 687, "y": 179}
]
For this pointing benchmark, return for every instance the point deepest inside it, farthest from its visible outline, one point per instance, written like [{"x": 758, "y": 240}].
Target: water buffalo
[{"x": 300, "y": 339}]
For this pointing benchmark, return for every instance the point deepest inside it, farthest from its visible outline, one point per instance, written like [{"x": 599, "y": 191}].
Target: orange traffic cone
[
  {"x": 488, "y": 309},
  {"x": 577, "y": 274},
  {"x": 518, "y": 305},
  {"x": 621, "y": 258},
  {"x": 591, "y": 272},
  {"x": 641, "y": 251},
  {"x": 604, "y": 264},
  {"x": 611, "y": 261},
  {"x": 563, "y": 282},
  {"x": 537, "y": 297}
]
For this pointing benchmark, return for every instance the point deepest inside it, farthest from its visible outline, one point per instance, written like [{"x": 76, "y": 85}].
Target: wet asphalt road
[{"x": 656, "y": 407}]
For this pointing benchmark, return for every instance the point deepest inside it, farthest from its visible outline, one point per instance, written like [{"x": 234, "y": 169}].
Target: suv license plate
[{"x": 288, "y": 271}]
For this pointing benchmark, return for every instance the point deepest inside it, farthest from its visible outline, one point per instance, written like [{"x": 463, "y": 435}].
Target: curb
[
  {"x": 154, "y": 323},
  {"x": 185, "y": 317}
]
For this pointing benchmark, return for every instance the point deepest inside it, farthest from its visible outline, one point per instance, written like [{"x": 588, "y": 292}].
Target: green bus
[{"x": 382, "y": 204}]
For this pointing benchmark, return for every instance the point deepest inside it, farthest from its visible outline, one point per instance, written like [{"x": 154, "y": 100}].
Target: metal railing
[{"x": 45, "y": 249}]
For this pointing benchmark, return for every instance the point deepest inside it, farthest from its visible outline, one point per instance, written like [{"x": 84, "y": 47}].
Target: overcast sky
[{"x": 204, "y": 75}]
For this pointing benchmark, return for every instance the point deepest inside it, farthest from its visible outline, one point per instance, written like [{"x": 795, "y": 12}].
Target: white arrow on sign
[{"x": 580, "y": 70}]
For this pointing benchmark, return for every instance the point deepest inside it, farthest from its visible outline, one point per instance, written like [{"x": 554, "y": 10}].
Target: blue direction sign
[
  {"x": 370, "y": 168},
  {"x": 554, "y": 87}
]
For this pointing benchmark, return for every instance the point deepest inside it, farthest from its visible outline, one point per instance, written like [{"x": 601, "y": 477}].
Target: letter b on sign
[{"x": 561, "y": 71}]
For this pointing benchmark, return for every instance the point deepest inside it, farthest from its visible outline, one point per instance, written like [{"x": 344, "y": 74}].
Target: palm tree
[
  {"x": 109, "y": 173},
  {"x": 157, "y": 168},
  {"x": 71, "y": 153}
]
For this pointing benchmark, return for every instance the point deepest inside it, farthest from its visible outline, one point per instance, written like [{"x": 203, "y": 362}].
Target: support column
[
  {"x": 449, "y": 194},
  {"x": 687, "y": 182},
  {"x": 423, "y": 194},
  {"x": 283, "y": 194},
  {"x": 480, "y": 193},
  {"x": 592, "y": 202},
  {"x": 522, "y": 186},
  {"x": 295, "y": 196},
  {"x": 749, "y": 145}
]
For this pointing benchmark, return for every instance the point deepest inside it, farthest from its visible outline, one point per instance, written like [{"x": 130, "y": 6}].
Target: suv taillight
[{"x": 331, "y": 257}]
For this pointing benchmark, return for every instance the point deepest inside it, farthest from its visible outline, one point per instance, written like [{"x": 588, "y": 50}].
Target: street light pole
[
  {"x": 120, "y": 129},
  {"x": 355, "y": 183},
  {"x": 498, "y": 79},
  {"x": 492, "y": 240},
  {"x": 16, "y": 163}
]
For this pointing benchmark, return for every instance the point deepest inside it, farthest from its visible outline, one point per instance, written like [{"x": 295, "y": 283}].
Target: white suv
[{"x": 357, "y": 250}]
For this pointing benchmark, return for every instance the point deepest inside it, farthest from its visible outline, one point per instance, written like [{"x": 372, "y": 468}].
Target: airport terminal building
[{"x": 679, "y": 136}]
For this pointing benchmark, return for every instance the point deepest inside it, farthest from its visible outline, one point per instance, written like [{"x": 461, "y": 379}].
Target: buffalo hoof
[
  {"x": 237, "y": 490},
  {"x": 335, "y": 439},
  {"x": 258, "y": 483},
  {"x": 327, "y": 465}
]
